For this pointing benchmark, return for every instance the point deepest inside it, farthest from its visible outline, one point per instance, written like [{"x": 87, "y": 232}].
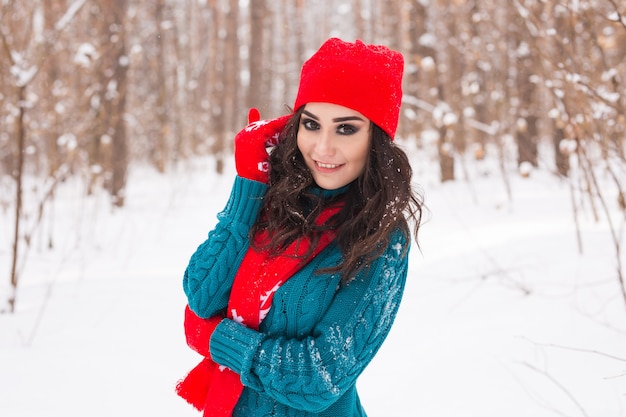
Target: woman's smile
[{"x": 325, "y": 166}]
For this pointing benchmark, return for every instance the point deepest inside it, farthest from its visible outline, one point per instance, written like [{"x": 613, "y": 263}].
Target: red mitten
[
  {"x": 251, "y": 157},
  {"x": 198, "y": 331}
]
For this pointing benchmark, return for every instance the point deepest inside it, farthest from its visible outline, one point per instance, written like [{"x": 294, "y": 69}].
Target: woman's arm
[
  {"x": 211, "y": 270},
  {"x": 312, "y": 373}
]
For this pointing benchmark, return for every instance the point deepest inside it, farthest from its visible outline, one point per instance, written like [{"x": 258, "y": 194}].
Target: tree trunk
[
  {"x": 256, "y": 97},
  {"x": 446, "y": 155},
  {"x": 359, "y": 22},
  {"x": 233, "y": 117},
  {"x": 447, "y": 87},
  {"x": 416, "y": 28},
  {"x": 160, "y": 152},
  {"x": 52, "y": 10},
  {"x": 115, "y": 75},
  {"x": 217, "y": 87},
  {"x": 21, "y": 148},
  {"x": 561, "y": 156},
  {"x": 526, "y": 132}
]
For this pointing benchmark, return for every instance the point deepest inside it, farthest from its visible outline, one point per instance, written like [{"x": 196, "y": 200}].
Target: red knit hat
[{"x": 362, "y": 77}]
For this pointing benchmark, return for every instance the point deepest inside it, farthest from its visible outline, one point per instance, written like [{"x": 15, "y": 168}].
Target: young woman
[{"x": 297, "y": 287}]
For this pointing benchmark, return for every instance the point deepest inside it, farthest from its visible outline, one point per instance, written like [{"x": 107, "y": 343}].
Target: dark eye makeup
[
  {"x": 347, "y": 129},
  {"x": 310, "y": 124},
  {"x": 342, "y": 129}
]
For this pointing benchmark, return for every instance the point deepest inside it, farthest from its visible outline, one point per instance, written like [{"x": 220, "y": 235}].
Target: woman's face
[{"x": 335, "y": 142}]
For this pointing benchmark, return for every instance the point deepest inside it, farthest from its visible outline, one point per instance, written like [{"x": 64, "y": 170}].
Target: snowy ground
[{"x": 501, "y": 317}]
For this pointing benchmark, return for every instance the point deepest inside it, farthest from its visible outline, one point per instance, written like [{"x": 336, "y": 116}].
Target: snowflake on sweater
[
  {"x": 236, "y": 317},
  {"x": 265, "y": 304},
  {"x": 266, "y": 301}
]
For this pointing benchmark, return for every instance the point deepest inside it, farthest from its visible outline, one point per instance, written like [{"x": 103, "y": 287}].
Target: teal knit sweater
[{"x": 319, "y": 334}]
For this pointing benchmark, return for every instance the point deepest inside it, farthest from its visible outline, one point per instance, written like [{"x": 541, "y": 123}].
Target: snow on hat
[{"x": 366, "y": 78}]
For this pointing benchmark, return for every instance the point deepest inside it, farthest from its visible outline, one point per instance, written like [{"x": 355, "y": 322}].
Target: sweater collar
[{"x": 326, "y": 194}]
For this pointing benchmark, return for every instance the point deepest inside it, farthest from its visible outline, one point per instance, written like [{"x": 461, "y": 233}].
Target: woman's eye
[
  {"x": 310, "y": 124},
  {"x": 346, "y": 130}
]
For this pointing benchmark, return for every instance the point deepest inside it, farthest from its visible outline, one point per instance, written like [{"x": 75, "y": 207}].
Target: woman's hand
[{"x": 251, "y": 157}]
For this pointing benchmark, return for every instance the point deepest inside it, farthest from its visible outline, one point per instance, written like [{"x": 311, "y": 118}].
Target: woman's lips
[{"x": 326, "y": 167}]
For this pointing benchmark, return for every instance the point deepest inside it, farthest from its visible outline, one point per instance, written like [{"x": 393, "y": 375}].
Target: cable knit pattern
[
  {"x": 213, "y": 266},
  {"x": 318, "y": 336}
]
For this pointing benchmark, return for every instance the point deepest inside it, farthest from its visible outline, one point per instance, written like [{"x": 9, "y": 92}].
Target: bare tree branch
[{"x": 560, "y": 386}]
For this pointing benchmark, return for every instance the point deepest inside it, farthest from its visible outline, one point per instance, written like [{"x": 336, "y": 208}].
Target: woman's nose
[{"x": 324, "y": 144}]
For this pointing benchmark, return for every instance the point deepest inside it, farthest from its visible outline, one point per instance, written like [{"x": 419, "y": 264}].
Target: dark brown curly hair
[{"x": 375, "y": 204}]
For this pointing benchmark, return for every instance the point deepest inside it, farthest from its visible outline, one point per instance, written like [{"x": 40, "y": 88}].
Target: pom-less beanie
[{"x": 366, "y": 78}]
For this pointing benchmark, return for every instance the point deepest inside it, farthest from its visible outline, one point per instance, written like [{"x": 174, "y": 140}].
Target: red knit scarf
[{"x": 216, "y": 389}]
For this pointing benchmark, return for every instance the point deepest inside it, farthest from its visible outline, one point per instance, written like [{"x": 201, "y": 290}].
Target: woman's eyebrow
[
  {"x": 335, "y": 120},
  {"x": 311, "y": 115},
  {"x": 348, "y": 118}
]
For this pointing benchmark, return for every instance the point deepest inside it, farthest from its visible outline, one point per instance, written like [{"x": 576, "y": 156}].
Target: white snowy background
[{"x": 502, "y": 314}]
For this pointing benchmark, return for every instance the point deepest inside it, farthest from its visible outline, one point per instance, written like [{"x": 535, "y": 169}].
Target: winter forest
[{"x": 107, "y": 106}]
